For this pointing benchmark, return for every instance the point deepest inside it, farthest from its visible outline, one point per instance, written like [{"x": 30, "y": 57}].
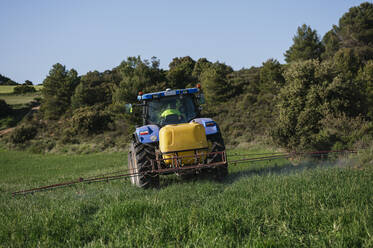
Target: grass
[
  {"x": 6, "y": 93},
  {"x": 263, "y": 204},
  {"x": 15, "y": 100},
  {"x": 8, "y": 89}
]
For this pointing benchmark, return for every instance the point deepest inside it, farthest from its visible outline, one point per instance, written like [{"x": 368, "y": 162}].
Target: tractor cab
[{"x": 171, "y": 106}]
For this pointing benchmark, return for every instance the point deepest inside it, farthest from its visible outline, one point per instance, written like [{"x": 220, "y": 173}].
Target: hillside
[{"x": 320, "y": 99}]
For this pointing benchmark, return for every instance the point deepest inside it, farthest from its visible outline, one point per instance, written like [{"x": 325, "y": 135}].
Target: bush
[
  {"x": 5, "y": 109},
  {"x": 23, "y": 133},
  {"x": 366, "y": 157},
  {"x": 41, "y": 146},
  {"x": 90, "y": 120},
  {"x": 23, "y": 89},
  {"x": 69, "y": 136},
  {"x": 342, "y": 132}
]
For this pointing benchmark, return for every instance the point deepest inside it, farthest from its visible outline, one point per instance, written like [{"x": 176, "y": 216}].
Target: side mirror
[
  {"x": 201, "y": 99},
  {"x": 128, "y": 108}
]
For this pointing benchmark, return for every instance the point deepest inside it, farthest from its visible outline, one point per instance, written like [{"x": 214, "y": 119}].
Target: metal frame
[{"x": 177, "y": 165}]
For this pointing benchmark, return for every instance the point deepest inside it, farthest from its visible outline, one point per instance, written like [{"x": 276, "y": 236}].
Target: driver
[{"x": 171, "y": 110}]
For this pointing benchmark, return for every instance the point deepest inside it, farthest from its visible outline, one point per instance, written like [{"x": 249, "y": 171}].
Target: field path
[
  {"x": 8, "y": 130},
  {"x": 5, "y": 131}
]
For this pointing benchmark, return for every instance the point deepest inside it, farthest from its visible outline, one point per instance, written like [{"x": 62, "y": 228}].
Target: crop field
[
  {"x": 263, "y": 204},
  {"x": 19, "y": 99},
  {"x": 8, "y": 89}
]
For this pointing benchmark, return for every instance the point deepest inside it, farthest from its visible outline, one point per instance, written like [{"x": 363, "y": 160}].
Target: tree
[
  {"x": 356, "y": 26},
  {"x": 200, "y": 66},
  {"x": 181, "y": 72},
  {"x": 215, "y": 83},
  {"x": 5, "y": 109},
  {"x": 92, "y": 90},
  {"x": 28, "y": 82},
  {"x": 6, "y": 81},
  {"x": 23, "y": 89},
  {"x": 58, "y": 88},
  {"x": 271, "y": 78},
  {"x": 306, "y": 45},
  {"x": 365, "y": 78},
  {"x": 354, "y": 31},
  {"x": 137, "y": 75},
  {"x": 313, "y": 92},
  {"x": 331, "y": 43}
]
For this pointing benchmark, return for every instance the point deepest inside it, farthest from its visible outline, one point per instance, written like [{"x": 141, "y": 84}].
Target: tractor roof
[{"x": 167, "y": 92}]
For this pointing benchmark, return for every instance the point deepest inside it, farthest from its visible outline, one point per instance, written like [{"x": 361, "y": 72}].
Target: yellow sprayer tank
[{"x": 185, "y": 139}]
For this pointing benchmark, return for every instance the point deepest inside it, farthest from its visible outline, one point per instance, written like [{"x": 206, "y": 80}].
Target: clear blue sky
[{"x": 97, "y": 35}]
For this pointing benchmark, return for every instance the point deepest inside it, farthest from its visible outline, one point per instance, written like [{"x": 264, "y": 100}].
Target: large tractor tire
[
  {"x": 217, "y": 145},
  {"x": 139, "y": 163}
]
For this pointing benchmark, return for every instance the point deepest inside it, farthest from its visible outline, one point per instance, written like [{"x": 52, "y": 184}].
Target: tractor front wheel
[{"x": 139, "y": 164}]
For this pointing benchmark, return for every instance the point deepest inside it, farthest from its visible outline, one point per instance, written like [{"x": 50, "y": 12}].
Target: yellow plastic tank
[{"x": 184, "y": 139}]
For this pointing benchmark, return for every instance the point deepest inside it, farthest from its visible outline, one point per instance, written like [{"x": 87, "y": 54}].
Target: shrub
[
  {"x": 69, "y": 136},
  {"x": 5, "y": 109},
  {"x": 41, "y": 146},
  {"x": 342, "y": 132},
  {"x": 23, "y": 133},
  {"x": 23, "y": 89},
  {"x": 90, "y": 120}
]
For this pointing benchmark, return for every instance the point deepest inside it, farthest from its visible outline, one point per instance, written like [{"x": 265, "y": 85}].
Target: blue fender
[
  {"x": 147, "y": 134},
  {"x": 211, "y": 127}
]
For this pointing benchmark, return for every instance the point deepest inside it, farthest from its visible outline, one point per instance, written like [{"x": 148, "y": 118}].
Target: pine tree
[{"x": 306, "y": 45}]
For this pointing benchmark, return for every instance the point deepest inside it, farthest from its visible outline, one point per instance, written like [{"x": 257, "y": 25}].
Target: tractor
[{"x": 174, "y": 138}]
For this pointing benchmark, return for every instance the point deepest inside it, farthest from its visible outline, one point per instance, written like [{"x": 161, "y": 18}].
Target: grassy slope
[
  {"x": 19, "y": 99},
  {"x": 6, "y": 94},
  {"x": 265, "y": 204},
  {"x": 8, "y": 89}
]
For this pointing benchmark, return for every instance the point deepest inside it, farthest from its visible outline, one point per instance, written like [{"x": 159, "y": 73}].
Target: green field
[
  {"x": 19, "y": 99},
  {"x": 264, "y": 204},
  {"x": 6, "y": 94},
  {"x": 8, "y": 89}
]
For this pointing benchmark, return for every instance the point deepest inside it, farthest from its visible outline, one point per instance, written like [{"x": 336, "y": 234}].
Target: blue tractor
[{"x": 175, "y": 139}]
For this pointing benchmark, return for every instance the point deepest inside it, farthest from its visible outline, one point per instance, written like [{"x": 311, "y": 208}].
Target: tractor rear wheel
[
  {"x": 139, "y": 164},
  {"x": 217, "y": 145}
]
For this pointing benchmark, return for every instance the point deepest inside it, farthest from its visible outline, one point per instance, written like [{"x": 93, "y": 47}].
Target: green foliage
[
  {"x": 356, "y": 26},
  {"x": 92, "y": 90},
  {"x": 23, "y": 89},
  {"x": 137, "y": 75},
  {"x": 23, "y": 133},
  {"x": 365, "y": 78},
  {"x": 181, "y": 72},
  {"x": 347, "y": 61},
  {"x": 314, "y": 90},
  {"x": 200, "y": 66},
  {"x": 5, "y": 109},
  {"x": 6, "y": 81},
  {"x": 331, "y": 43},
  {"x": 90, "y": 120},
  {"x": 28, "y": 82},
  {"x": 58, "y": 88},
  {"x": 215, "y": 83},
  {"x": 306, "y": 45},
  {"x": 342, "y": 132},
  {"x": 271, "y": 78},
  {"x": 355, "y": 31}
]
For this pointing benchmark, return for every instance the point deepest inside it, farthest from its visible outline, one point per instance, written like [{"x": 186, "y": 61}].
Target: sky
[{"x": 90, "y": 35}]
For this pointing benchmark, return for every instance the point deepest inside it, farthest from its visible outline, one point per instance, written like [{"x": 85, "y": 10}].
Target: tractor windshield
[{"x": 171, "y": 110}]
